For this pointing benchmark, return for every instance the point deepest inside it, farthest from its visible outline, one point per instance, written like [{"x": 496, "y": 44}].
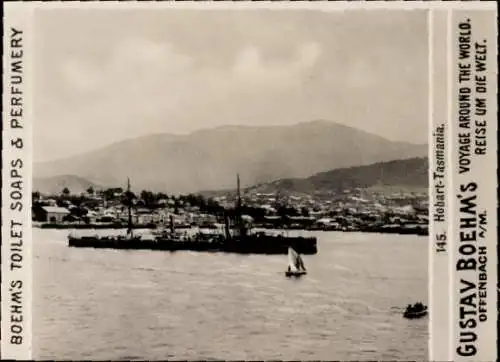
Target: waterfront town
[{"x": 346, "y": 210}]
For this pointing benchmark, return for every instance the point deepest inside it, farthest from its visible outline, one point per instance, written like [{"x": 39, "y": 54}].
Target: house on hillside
[
  {"x": 404, "y": 210},
  {"x": 91, "y": 216},
  {"x": 52, "y": 214},
  {"x": 50, "y": 202}
]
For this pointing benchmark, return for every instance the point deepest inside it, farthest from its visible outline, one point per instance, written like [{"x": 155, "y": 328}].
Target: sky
[{"x": 104, "y": 75}]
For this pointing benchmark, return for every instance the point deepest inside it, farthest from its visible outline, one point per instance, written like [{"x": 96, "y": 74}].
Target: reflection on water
[{"x": 147, "y": 305}]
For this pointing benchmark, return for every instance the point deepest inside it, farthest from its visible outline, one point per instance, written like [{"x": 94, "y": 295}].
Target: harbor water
[{"x": 153, "y": 305}]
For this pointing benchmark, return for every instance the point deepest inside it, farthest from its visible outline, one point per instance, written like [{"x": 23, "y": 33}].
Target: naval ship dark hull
[
  {"x": 271, "y": 244},
  {"x": 250, "y": 244},
  {"x": 243, "y": 242}
]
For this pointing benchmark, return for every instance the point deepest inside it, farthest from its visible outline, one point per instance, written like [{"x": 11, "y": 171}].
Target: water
[{"x": 130, "y": 305}]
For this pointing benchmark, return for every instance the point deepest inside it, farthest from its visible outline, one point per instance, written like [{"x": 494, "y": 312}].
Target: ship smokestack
[{"x": 171, "y": 218}]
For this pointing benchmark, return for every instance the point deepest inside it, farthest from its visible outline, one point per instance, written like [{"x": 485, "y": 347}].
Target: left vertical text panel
[{"x": 16, "y": 275}]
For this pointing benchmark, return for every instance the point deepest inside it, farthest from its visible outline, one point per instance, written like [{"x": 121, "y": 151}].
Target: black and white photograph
[{"x": 230, "y": 184}]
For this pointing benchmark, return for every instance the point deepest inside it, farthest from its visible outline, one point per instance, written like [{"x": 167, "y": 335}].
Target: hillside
[
  {"x": 403, "y": 174},
  {"x": 209, "y": 159},
  {"x": 55, "y": 185}
]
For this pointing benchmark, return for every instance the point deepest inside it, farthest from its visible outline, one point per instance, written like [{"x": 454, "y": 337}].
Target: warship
[{"x": 239, "y": 239}]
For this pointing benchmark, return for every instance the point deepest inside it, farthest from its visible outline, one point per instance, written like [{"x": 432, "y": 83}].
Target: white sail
[
  {"x": 300, "y": 263},
  {"x": 291, "y": 260},
  {"x": 295, "y": 262}
]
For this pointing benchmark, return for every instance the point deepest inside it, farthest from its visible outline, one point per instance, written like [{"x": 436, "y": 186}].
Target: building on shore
[{"x": 52, "y": 214}]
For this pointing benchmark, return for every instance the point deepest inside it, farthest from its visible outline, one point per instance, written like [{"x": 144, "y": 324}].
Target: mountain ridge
[
  {"x": 213, "y": 156},
  {"x": 55, "y": 184},
  {"x": 408, "y": 174}
]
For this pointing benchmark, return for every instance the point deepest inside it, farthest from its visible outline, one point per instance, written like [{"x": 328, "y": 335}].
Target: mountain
[
  {"x": 410, "y": 174},
  {"x": 209, "y": 159},
  {"x": 54, "y": 185}
]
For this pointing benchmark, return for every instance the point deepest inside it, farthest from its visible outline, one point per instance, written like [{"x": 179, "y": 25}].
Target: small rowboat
[{"x": 414, "y": 314}]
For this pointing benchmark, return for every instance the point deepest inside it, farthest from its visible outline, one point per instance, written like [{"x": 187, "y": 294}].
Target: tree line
[
  {"x": 155, "y": 200},
  {"x": 146, "y": 198}
]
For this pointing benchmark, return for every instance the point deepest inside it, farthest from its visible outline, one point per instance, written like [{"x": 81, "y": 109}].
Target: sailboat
[{"x": 296, "y": 266}]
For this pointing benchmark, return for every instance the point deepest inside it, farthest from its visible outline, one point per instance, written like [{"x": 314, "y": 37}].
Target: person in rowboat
[{"x": 419, "y": 306}]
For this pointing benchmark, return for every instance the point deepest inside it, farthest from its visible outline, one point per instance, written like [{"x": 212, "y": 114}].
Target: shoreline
[
  {"x": 401, "y": 230},
  {"x": 110, "y": 226}
]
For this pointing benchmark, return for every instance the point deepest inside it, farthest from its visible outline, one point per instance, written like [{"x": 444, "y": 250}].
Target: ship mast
[
  {"x": 277, "y": 199},
  {"x": 239, "y": 219},
  {"x": 129, "y": 204},
  {"x": 238, "y": 194}
]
